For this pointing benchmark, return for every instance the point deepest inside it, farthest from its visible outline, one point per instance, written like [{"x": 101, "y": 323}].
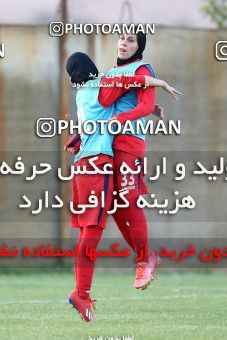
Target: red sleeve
[
  {"x": 112, "y": 88},
  {"x": 146, "y": 101}
]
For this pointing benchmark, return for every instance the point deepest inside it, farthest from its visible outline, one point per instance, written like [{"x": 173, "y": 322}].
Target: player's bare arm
[{"x": 150, "y": 81}]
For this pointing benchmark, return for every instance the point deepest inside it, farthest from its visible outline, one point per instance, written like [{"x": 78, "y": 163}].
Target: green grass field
[{"x": 190, "y": 305}]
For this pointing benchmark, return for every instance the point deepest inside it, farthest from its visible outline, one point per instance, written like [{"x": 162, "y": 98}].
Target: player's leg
[
  {"x": 132, "y": 221},
  {"x": 119, "y": 215},
  {"x": 92, "y": 222},
  {"x": 132, "y": 224},
  {"x": 85, "y": 266},
  {"x": 82, "y": 185},
  {"x": 123, "y": 226},
  {"x": 83, "y": 306},
  {"x": 147, "y": 261},
  {"x": 80, "y": 298},
  {"x": 133, "y": 184}
]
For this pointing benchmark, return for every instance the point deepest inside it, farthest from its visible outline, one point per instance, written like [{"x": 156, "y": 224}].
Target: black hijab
[
  {"x": 81, "y": 68},
  {"x": 141, "y": 41}
]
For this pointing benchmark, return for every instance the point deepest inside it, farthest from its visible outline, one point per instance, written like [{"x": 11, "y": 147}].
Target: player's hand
[
  {"x": 159, "y": 112},
  {"x": 67, "y": 116},
  {"x": 70, "y": 150},
  {"x": 171, "y": 90}
]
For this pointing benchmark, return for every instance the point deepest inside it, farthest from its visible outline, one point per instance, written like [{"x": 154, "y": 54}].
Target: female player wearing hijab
[
  {"x": 131, "y": 149},
  {"x": 91, "y": 223}
]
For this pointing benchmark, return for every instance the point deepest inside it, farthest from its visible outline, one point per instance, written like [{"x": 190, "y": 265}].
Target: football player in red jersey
[{"x": 93, "y": 231}]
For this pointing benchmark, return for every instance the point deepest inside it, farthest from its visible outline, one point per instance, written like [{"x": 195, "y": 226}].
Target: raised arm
[
  {"x": 150, "y": 81},
  {"x": 146, "y": 98},
  {"x": 146, "y": 101}
]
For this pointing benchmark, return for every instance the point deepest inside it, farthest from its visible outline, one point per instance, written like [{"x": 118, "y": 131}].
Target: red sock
[
  {"x": 132, "y": 223},
  {"x": 85, "y": 266},
  {"x": 122, "y": 224},
  {"x": 139, "y": 231}
]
